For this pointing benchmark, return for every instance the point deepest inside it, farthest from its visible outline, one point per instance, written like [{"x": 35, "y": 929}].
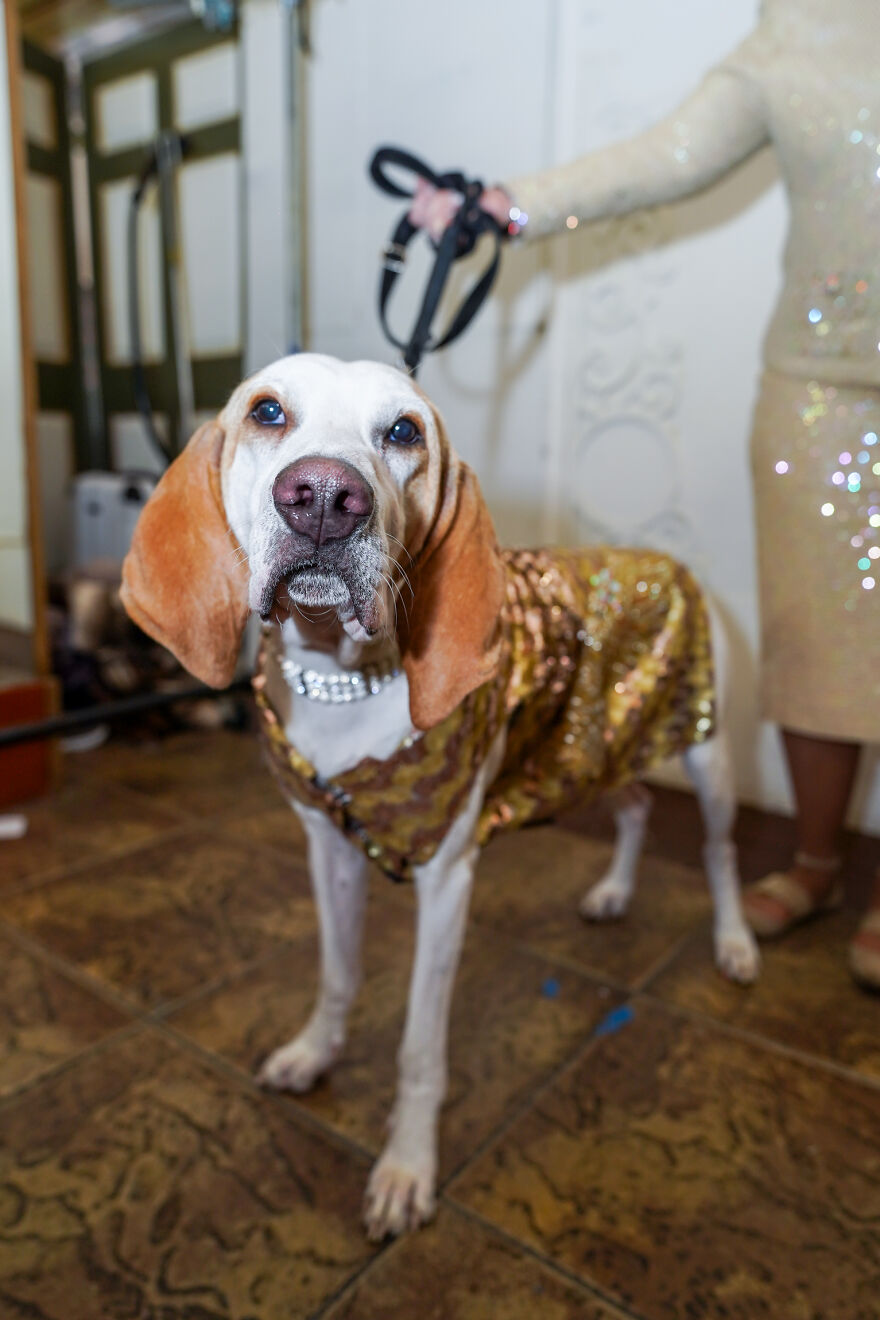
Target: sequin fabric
[
  {"x": 606, "y": 670},
  {"x": 816, "y": 460},
  {"x": 806, "y": 81}
]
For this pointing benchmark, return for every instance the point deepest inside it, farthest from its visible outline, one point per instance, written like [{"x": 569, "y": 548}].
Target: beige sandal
[
  {"x": 864, "y": 951},
  {"x": 778, "y": 902}
]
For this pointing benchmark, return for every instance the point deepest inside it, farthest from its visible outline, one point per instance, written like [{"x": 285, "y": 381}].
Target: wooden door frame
[{"x": 40, "y": 635}]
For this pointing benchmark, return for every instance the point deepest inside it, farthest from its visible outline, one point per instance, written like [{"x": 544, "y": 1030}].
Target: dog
[{"x": 327, "y": 498}]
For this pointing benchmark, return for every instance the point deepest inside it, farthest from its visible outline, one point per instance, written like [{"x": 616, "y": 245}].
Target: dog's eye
[
  {"x": 268, "y": 412},
  {"x": 403, "y": 432}
]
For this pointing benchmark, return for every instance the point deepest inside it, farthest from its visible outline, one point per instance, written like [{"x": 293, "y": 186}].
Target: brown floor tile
[
  {"x": 81, "y": 822},
  {"x": 141, "y": 1184},
  {"x": 805, "y": 997},
  {"x": 216, "y": 775},
  {"x": 204, "y": 774},
  {"x": 44, "y": 1017},
  {"x": 691, "y": 1174},
  {"x": 514, "y": 1019},
  {"x": 276, "y": 825},
  {"x": 459, "y": 1270},
  {"x": 159, "y": 923},
  {"x": 529, "y": 885}
]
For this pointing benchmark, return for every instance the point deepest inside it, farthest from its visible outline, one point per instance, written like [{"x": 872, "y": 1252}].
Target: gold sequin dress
[
  {"x": 808, "y": 81},
  {"x": 606, "y": 670}
]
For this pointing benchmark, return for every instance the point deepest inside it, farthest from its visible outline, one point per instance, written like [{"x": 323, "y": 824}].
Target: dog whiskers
[
  {"x": 393, "y": 590},
  {"x": 395, "y": 564},
  {"x": 397, "y": 541},
  {"x": 396, "y": 594}
]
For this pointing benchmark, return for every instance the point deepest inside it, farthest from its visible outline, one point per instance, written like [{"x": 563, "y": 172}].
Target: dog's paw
[
  {"x": 737, "y": 956},
  {"x": 297, "y": 1065},
  {"x": 607, "y": 899},
  {"x": 399, "y": 1196}
]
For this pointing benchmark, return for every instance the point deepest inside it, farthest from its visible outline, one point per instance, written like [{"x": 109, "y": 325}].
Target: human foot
[{"x": 785, "y": 898}]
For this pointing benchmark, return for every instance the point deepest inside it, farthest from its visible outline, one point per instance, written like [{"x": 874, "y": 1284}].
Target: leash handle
[
  {"x": 460, "y": 237},
  {"x": 453, "y": 179}
]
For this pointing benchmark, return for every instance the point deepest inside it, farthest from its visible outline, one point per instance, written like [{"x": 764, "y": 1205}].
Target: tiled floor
[{"x": 626, "y": 1135}]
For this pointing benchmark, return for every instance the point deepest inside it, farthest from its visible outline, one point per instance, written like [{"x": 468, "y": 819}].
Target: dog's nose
[{"x": 324, "y": 499}]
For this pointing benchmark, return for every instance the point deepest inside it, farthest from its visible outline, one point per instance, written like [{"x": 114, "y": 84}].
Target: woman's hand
[{"x": 434, "y": 209}]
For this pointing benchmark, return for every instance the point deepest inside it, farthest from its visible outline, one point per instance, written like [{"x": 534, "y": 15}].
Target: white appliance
[{"x": 106, "y": 506}]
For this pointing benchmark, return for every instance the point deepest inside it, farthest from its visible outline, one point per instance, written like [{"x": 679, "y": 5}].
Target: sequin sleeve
[{"x": 718, "y": 126}]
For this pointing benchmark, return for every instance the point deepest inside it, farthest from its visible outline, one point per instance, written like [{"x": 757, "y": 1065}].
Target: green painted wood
[
  {"x": 214, "y": 379},
  {"x": 212, "y": 140}
]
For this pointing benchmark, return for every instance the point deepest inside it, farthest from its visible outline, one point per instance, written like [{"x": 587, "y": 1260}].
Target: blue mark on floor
[{"x": 613, "y": 1021}]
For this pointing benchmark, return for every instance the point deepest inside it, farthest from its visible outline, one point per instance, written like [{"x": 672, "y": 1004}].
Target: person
[{"x": 807, "y": 81}]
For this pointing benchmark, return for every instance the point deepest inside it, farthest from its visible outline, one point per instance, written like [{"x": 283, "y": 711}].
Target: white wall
[
  {"x": 16, "y": 602},
  {"x": 607, "y": 389}
]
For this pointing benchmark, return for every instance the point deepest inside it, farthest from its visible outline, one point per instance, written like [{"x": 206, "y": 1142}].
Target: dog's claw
[
  {"x": 606, "y": 900},
  {"x": 737, "y": 956},
  {"x": 296, "y": 1066},
  {"x": 398, "y": 1199}
]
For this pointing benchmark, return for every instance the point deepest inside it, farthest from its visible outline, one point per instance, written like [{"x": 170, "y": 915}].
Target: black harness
[{"x": 458, "y": 240}]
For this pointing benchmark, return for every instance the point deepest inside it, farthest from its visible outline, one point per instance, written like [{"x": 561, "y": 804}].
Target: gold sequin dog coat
[{"x": 606, "y": 670}]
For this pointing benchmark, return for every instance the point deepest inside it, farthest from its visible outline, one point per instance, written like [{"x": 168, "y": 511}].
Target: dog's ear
[
  {"x": 183, "y": 581},
  {"x": 450, "y": 634}
]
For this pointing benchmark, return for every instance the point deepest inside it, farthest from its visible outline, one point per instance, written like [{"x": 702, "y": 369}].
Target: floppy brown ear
[
  {"x": 182, "y": 579},
  {"x": 450, "y": 636}
]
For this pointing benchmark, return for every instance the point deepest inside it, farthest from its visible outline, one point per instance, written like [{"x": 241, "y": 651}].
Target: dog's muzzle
[{"x": 324, "y": 560}]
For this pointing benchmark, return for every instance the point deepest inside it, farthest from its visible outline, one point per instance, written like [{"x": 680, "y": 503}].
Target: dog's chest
[{"x": 336, "y": 737}]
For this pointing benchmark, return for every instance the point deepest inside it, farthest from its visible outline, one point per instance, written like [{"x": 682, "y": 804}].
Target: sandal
[
  {"x": 864, "y": 951},
  {"x": 778, "y": 902}
]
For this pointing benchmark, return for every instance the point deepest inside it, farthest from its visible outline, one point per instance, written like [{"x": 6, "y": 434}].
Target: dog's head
[{"x": 323, "y": 485}]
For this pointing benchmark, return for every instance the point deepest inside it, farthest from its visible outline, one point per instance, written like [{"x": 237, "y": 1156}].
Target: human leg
[{"x": 822, "y": 771}]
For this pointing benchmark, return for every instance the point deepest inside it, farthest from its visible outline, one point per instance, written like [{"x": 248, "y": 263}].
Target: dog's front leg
[
  {"x": 400, "y": 1193},
  {"x": 339, "y": 881}
]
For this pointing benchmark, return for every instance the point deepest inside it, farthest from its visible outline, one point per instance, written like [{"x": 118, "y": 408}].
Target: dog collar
[{"x": 336, "y": 689}]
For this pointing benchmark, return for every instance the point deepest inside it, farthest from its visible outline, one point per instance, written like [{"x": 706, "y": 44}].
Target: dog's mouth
[{"x": 318, "y": 585}]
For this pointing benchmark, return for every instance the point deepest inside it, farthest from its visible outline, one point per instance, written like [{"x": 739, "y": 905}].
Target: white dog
[{"x": 327, "y": 498}]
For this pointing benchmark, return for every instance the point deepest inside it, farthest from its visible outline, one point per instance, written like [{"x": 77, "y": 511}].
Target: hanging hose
[
  {"x": 166, "y": 154},
  {"x": 139, "y": 379}
]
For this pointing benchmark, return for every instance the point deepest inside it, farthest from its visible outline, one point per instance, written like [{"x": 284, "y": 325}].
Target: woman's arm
[{"x": 716, "y": 128}]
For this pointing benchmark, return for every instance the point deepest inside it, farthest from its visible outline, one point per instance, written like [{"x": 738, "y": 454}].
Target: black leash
[{"x": 459, "y": 239}]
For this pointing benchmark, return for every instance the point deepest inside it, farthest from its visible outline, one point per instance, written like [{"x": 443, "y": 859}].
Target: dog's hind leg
[
  {"x": 709, "y": 767},
  {"x": 610, "y": 896},
  {"x": 339, "y": 881}
]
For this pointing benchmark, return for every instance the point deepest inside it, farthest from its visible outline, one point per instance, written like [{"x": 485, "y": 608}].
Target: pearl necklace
[{"x": 354, "y": 685}]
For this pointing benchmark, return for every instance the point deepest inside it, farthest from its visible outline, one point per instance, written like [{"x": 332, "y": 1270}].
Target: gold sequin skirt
[{"x": 816, "y": 467}]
